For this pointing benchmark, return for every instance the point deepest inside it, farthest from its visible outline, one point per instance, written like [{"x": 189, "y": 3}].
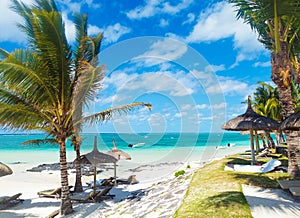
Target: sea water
[
  {"x": 153, "y": 141},
  {"x": 157, "y": 147}
]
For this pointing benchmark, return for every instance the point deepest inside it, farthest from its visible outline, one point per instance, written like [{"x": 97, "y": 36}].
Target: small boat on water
[{"x": 141, "y": 144}]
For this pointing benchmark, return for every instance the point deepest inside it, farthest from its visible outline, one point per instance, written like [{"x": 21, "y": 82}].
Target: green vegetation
[
  {"x": 45, "y": 86},
  {"x": 179, "y": 173},
  {"x": 214, "y": 192},
  {"x": 277, "y": 26}
]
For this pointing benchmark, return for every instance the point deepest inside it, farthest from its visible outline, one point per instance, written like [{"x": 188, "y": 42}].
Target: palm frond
[
  {"x": 3, "y": 54},
  {"x": 39, "y": 142},
  {"x": 25, "y": 74},
  {"x": 108, "y": 114},
  {"x": 19, "y": 117},
  {"x": 266, "y": 16}
]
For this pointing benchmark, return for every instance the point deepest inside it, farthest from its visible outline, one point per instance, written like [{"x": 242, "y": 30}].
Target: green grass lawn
[{"x": 214, "y": 192}]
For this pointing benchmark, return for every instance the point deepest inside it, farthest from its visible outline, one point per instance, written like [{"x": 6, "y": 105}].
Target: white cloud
[
  {"x": 218, "y": 106},
  {"x": 219, "y": 22},
  {"x": 69, "y": 28},
  {"x": 111, "y": 33},
  {"x": 119, "y": 78},
  {"x": 228, "y": 86},
  {"x": 185, "y": 107},
  {"x": 173, "y": 9},
  {"x": 182, "y": 84},
  {"x": 262, "y": 64},
  {"x": 72, "y": 6},
  {"x": 157, "y": 120},
  {"x": 9, "y": 19},
  {"x": 154, "y": 7},
  {"x": 190, "y": 18},
  {"x": 215, "y": 68},
  {"x": 162, "y": 50},
  {"x": 93, "y": 4},
  {"x": 163, "y": 23},
  {"x": 201, "y": 106}
]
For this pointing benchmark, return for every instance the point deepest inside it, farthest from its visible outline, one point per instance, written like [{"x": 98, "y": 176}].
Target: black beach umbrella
[
  {"x": 118, "y": 154},
  {"x": 5, "y": 170},
  {"x": 250, "y": 121},
  {"x": 292, "y": 122},
  {"x": 96, "y": 157}
]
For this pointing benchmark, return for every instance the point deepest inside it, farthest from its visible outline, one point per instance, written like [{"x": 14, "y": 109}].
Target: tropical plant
[
  {"x": 45, "y": 86},
  {"x": 266, "y": 103},
  {"x": 277, "y": 24}
]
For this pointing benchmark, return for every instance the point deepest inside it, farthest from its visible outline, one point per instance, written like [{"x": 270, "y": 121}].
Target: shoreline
[{"x": 160, "y": 171}]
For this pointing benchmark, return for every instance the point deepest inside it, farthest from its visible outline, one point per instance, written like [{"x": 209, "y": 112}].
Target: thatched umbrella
[
  {"x": 250, "y": 121},
  {"x": 5, "y": 170},
  {"x": 95, "y": 157},
  {"x": 292, "y": 122},
  {"x": 118, "y": 154}
]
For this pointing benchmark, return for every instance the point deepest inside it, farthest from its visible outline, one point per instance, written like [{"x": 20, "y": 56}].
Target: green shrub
[{"x": 179, "y": 173}]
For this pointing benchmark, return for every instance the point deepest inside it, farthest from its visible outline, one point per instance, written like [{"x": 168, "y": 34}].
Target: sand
[
  {"x": 158, "y": 193},
  {"x": 270, "y": 203}
]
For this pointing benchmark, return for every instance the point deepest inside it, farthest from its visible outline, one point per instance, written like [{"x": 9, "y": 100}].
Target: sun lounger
[
  {"x": 263, "y": 153},
  {"x": 51, "y": 193},
  {"x": 87, "y": 198},
  {"x": 102, "y": 182},
  {"x": 130, "y": 180},
  {"x": 267, "y": 167},
  {"x": 295, "y": 192},
  {"x": 286, "y": 184},
  {"x": 9, "y": 201},
  {"x": 53, "y": 214},
  {"x": 104, "y": 195}
]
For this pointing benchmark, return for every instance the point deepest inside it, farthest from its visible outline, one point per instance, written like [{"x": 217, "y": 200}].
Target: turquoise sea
[{"x": 153, "y": 141}]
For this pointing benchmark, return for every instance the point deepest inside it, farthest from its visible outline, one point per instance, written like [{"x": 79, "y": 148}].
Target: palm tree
[
  {"x": 87, "y": 49},
  {"x": 45, "y": 86},
  {"x": 101, "y": 116},
  {"x": 277, "y": 24},
  {"x": 266, "y": 103}
]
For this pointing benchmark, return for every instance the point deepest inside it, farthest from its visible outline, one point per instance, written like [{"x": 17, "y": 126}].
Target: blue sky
[{"x": 192, "y": 60}]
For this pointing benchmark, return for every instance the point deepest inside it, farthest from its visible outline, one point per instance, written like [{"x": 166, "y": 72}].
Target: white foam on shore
[{"x": 149, "y": 168}]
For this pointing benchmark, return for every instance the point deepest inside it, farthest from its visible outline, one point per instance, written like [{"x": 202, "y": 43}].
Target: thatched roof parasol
[
  {"x": 250, "y": 121},
  {"x": 5, "y": 170},
  {"x": 118, "y": 154},
  {"x": 95, "y": 157},
  {"x": 292, "y": 122}
]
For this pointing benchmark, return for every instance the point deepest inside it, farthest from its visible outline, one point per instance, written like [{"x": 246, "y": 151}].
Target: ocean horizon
[{"x": 13, "y": 142}]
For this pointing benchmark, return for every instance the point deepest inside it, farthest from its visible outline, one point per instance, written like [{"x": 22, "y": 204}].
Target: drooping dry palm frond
[{"x": 107, "y": 114}]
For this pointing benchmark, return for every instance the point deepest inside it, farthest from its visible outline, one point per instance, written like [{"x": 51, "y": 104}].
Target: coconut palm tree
[
  {"x": 45, "y": 86},
  {"x": 277, "y": 24},
  {"x": 266, "y": 103},
  {"x": 87, "y": 49}
]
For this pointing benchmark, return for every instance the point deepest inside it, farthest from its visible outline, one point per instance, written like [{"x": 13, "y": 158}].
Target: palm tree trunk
[
  {"x": 262, "y": 137},
  {"x": 281, "y": 76},
  {"x": 78, "y": 183},
  {"x": 270, "y": 139},
  {"x": 293, "y": 142},
  {"x": 66, "y": 204}
]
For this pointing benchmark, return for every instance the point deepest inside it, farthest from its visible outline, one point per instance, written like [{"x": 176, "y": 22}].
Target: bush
[{"x": 179, "y": 173}]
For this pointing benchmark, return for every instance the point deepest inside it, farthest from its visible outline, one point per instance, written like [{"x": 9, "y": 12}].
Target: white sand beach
[{"x": 158, "y": 193}]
